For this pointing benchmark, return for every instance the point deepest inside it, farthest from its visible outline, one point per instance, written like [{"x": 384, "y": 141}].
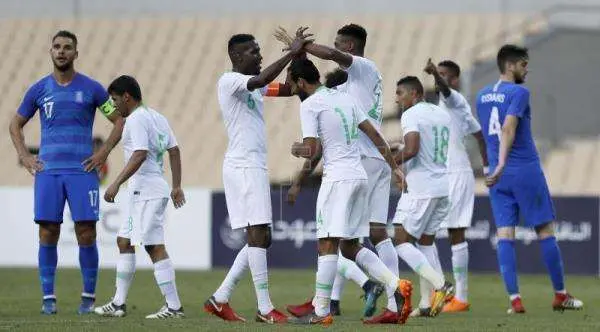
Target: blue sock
[
  {"x": 88, "y": 262},
  {"x": 508, "y": 265},
  {"x": 553, "y": 260},
  {"x": 47, "y": 260}
]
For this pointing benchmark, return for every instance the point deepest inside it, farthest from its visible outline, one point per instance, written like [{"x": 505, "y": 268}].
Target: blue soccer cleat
[
  {"x": 49, "y": 307},
  {"x": 371, "y": 296},
  {"x": 86, "y": 306}
]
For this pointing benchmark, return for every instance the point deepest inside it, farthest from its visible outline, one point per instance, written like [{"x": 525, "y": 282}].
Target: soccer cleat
[
  {"x": 165, "y": 313},
  {"x": 371, "y": 296},
  {"x": 386, "y": 317},
  {"x": 111, "y": 310},
  {"x": 403, "y": 299},
  {"x": 516, "y": 306},
  {"x": 421, "y": 312},
  {"x": 222, "y": 310},
  {"x": 440, "y": 297},
  {"x": 86, "y": 306},
  {"x": 301, "y": 310},
  {"x": 566, "y": 302},
  {"x": 334, "y": 307},
  {"x": 273, "y": 317},
  {"x": 456, "y": 305},
  {"x": 312, "y": 319},
  {"x": 49, "y": 307}
]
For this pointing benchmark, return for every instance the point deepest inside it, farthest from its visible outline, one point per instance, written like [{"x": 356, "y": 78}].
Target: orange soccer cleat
[{"x": 456, "y": 305}]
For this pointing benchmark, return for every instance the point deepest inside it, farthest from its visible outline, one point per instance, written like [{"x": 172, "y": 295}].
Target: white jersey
[
  {"x": 364, "y": 84},
  {"x": 242, "y": 112},
  {"x": 463, "y": 123},
  {"x": 426, "y": 173},
  {"x": 146, "y": 129},
  {"x": 333, "y": 117}
]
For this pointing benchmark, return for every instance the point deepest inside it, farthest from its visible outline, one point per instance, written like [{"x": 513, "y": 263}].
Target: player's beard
[{"x": 63, "y": 68}]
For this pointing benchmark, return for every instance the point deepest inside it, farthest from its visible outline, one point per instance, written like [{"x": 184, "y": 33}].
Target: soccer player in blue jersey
[
  {"x": 517, "y": 183},
  {"x": 66, "y": 169}
]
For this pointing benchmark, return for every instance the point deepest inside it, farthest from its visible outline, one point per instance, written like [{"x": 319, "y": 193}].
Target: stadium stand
[{"x": 178, "y": 62}]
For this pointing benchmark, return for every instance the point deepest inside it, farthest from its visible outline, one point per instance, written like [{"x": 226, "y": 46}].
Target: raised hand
[
  {"x": 294, "y": 45},
  {"x": 430, "y": 67}
]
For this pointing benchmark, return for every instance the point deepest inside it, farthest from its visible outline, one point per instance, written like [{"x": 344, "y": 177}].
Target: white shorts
[
  {"x": 421, "y": 216},
  {"x": 378, "y": 194},
  {"x": 341, "y": 209},
  {"x": 145, "y": 225},
  {"x": 462, "y": 200},
  {"x": 248, "y": 196}
]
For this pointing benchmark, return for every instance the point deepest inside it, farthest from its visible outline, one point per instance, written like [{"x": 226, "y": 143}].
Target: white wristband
[{"x": 486, "y": 170}]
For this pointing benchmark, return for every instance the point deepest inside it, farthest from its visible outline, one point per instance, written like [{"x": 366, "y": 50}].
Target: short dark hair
[
  {"x": 412, "y": 82},
  {"x": 306, "y": 69},
  {"x": 123, "y": 84},
  {"x": 66, "y": 34},
  {"x": 453, "y": 66},
  {"x": 335, "y": 78},
  {"x": 238, "y": 39},
  {"x": 354, "y": 31},
  {"x": 510, "y": 53}
]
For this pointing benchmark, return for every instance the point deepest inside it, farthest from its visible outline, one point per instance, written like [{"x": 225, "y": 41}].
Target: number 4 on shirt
[{"x": 495, "y": 128}]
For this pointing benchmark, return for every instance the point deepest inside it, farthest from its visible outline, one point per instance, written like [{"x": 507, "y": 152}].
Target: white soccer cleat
[
  {"x": 165, "y": 313},
  {"x": 111, "y": 310}
]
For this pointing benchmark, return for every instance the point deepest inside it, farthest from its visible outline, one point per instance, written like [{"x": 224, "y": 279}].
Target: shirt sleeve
[
  {"x": 359, "y": 115},
  {"x": 28, "y": 105},
  {"x": 308, "y": 121},
  {"x": 234, "y": 83},
  {"x": 172, "y": 140},
  {"x": 358, "y": 68},
  {"x": 409, "y": 123},
  {"x": 139, "y": 133},
  {"x": 454, "y": 100},
  {"x": 519, "y": 103}
]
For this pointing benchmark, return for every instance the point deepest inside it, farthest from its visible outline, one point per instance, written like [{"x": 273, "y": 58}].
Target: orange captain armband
[{"x": 273, "y": 89}]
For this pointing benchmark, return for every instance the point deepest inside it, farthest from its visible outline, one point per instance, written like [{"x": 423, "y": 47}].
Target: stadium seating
[{"x": 178, "y": 62}]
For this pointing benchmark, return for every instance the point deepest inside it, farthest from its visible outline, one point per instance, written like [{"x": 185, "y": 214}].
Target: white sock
[
  {"x": 125, "y": 272},
  {"x": 460, "y": 268},
  {"x": 164, "y": 273},
  {"x": 257, "y": 260},
  {"x": 514, "y": 296},
  {"x": 387, "y": 253},
  {"x": 426, "y": 287},
  {"x": 237, "y": 270},
  {"x": 338, "y": 286},
  {"x": 418, "y": 262},
  {"x": 351, "y": 271},
  {"x": 375, "y": 267},
  {"x": 326, "y": 271}
]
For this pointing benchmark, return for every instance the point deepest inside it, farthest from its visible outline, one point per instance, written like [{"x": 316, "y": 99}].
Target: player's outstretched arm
[
  {"x": 482, "y": 149},
  {"x": 320, "y": 51},
  {"x": 100, "y": 156},
  {"x": 509, "y": 129},
  {"x": 30, "y": 162},
  {"x": 177, "y": 194},
  {"x": 307, "y": 169},
  {"x": 441, "y": 83},
  {"x": 384, "y": 148},
  {"x": 135, "y": 162}
]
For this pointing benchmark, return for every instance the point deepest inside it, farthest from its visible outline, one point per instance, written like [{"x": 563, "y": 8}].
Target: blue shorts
[
  {"x": 522, "y": 193},
  {"x": 79, "y": 190}
]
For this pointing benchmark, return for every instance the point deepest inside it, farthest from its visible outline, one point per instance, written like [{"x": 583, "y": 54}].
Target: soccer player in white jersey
[
  {"x": 146, "y": 137},
  {"x": 460, "y": 175},
  {"x": 330, "y": 123},
  {"x": 425, "y": 205},
  {"x": 365, "y": 84},
  {"x": 245, "y": 178}
]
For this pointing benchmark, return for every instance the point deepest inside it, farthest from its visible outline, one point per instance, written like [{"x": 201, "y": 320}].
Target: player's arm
[
  {"x": 366, "y": 127},
  {"x": 482, "y": 151},
  {"x": 441, "y": 83},
  {"x": 135, "y": 162},
  {"x": 177, "y": 194},
  {"x": 412, "y": 143},
  {"x": 25, "y": 111},
  {"x": 328, "y": 53},
  {"x": 109, "y": 111},
  {"x": 307, "y": 169}
]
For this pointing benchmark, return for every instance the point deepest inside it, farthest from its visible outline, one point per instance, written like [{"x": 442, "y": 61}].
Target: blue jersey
[
  {"x": 67, "y": 117},
  {"x": 494, "y": 103}
]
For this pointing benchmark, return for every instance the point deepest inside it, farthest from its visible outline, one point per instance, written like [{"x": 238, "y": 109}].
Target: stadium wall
[{"x": 199, "y": 237}]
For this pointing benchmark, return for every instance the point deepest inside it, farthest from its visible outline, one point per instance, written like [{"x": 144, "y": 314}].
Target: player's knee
[
  {"x": 457, "y": 235},
  {"x": 427, "y": 240},
  {"x": 328, "y": 246},
  {"x": 125, "y": 246},
  {"x": 377, "y": 233},
  {"x": 350, "y": 248},
  {"x": 545, "y": 231},
  {"x": 402, "y": 236},
  {"x": 49, "y": 233},
  {"x": 157, "y": 252},
  {"x": 85, "y": 232},
  {"x": 259, "y": 236}
]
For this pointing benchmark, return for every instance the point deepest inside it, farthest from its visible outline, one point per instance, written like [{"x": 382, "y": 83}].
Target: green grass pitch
[{"x": 20, "y": 304}]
